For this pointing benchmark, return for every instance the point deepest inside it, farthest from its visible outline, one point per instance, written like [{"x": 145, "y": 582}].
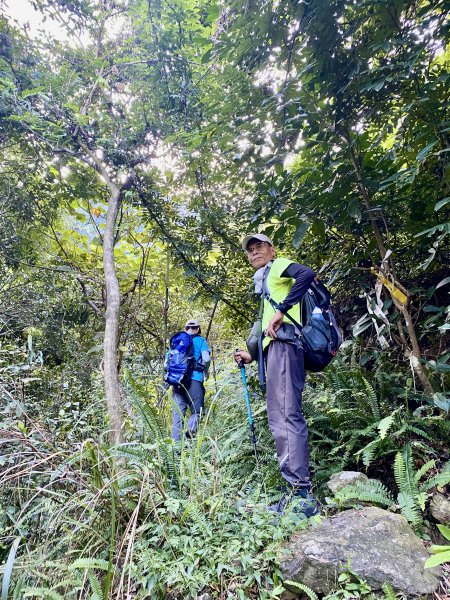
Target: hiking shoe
[{"x": 297, "y": 500}]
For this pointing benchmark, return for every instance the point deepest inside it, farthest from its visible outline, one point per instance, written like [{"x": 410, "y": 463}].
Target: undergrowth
[{"x": 150, "y": 519}]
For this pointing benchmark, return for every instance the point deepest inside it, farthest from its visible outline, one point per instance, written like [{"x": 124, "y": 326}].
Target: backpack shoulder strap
[
  {"x": 265, "y": 288},
  {"x": 267, "y": 296}
]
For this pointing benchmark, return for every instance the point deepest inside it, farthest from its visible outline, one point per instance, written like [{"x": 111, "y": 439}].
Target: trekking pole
[{"x": 249, "y": 408}]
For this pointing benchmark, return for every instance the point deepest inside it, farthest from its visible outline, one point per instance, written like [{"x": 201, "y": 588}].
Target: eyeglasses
[
  {"x": 256, "y": 246},
  {"x": 193, "y": 327}
]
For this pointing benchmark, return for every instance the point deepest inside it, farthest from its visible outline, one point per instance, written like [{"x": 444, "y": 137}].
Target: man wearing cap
[
  {"x": 192, "y": 395},
  {"x": 286, "y": 282}
]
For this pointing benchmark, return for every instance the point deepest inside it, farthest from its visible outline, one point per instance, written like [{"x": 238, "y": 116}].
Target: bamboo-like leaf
[
  {"x": 445, "y": 531},
  {"x": 441, "y": 203},
  {"x": 9, "y": 567},
  {"x": 437, "y": 559}
]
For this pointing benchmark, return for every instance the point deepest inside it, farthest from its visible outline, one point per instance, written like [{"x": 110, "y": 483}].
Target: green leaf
[
  {"x": 299, "y": 234},
  {"x": 7, "y": 572},
  {"x": 423, "y": 153},
  {"x": 437, "y": 559},
  {"x": 207, "y": 56},
  {"x": 445, "y": 531},
  {"x": 385, "y": 424},
  {"x": 436, "y": 549},
  {"x": 441, "y": 203},
  {"x": 443, "y": 282},
  {"x": 354, "y": 210}
]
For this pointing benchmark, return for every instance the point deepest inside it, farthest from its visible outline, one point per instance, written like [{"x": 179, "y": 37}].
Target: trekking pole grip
[{"x": 240, "y": 363}]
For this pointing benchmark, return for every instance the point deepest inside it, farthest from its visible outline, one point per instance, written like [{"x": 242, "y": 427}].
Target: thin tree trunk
[
  {"x": 212, "y": 317},
  {"x": 111, "y": 338},
  {"x": 166, "y": 311}
]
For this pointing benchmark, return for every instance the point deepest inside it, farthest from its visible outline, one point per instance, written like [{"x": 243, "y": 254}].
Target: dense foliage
[{"x": 136, "y": 151}]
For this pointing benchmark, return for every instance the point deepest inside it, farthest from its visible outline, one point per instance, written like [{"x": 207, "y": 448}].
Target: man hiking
[
  {"x": 191, "y": 393},
  {"x": 286, "y": 282}
]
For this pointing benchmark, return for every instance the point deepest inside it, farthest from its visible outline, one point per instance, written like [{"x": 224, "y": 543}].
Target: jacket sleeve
[
  {"x": 303, "y": 276},
  {"x": 205, "y": 357}
]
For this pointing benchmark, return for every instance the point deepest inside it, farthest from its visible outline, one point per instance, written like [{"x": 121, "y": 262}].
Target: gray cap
[
  {"x": 255, "y": 236},
  {"x": 192, "y": 323}
]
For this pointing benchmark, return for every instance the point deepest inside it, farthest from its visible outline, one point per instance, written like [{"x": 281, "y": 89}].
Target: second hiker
[{"x": 191, "y": 393}]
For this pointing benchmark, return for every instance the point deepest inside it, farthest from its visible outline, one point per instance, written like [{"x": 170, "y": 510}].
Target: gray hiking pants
[
  {"x": 285, "y": 382},
  {"x": 193, "y": 397}
]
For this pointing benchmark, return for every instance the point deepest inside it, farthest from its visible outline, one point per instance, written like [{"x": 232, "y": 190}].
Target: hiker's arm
[{"x": 303, "y": 276}]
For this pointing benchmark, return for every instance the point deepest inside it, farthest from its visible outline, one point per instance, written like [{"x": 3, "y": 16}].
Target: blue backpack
[{"x": 180, "y": 360}]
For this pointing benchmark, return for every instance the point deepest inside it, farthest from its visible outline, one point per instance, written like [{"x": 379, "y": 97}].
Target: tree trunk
[{"x": 111, "y": 338}]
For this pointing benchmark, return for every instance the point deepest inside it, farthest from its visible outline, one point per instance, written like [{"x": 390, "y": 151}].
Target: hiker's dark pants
[
  {"x": 193, "y": 396},
  {"x": 285, "y": 382}
]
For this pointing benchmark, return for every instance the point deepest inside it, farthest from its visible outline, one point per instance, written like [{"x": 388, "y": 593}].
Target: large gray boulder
[
  {"x": 440, "y": 508},
  {"x": 344, "y": 478},
  {"x": 380, "y": 545}
]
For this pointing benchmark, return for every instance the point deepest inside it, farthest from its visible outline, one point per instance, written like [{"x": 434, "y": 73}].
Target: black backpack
[{"x": 320, "y": 333}]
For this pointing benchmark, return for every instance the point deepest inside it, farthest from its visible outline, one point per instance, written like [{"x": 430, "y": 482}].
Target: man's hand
[
  {"x": 242, "y": 356},
  {"x": 274, "y": 324}
]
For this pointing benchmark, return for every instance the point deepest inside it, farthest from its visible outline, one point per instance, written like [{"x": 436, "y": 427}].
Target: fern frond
[
  {"x": 424, "y": 469},
  {"x": 372, "y": 399},
  {"x": 372, "y": 491},
  {"x": 192, "y": 510},
  {"x": 439, "y": 480},
  {"x": 90, "y": 563},
  {"x": 400, "y": 471},
  {"x": 96, "y": 586},
  {"x": 38, "y": 592},
  {"x": 418, "y": 431},
  {"x": 408, "y": 497},
  {"x": 302, "y": 588},
  {"x": 389, "y": 592},
  {"x": 410, "y": 481},
  {"x": 385, "y": 424},
  {"x": 70, "y": 583},
  {"x": 409, "y": 508},
  {"x": 368, "y": 452}
]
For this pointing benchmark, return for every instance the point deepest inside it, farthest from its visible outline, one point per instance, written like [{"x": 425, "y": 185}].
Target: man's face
[{"x": 259, "y": 253}]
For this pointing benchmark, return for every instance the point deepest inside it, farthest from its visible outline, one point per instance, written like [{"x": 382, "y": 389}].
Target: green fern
[
  {"x": 385, "y": 424},
  {"x": 424, "y": 469},
  {"x": 372, "y": 399},
  {"x": 302, "y": 588},
  {"x": 192, "y": 510},
  {"x": 96, "y": 587},
  {"x": 90, "y": 563},
  {"x": 404, "y": 471},
  {"x": 440, "y": 480},
  {"x": 409, "y": 508},
  {"x": 408, "y": 490},
  {"x": 39, "y": 592},
  {"x": 372, "y": 491},
  {"x": 389, "y": 592}
]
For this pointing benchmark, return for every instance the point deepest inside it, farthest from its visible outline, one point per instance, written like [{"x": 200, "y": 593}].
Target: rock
[
  {"x": 345, "y": 478},
  {"x": 205, "y": 596},
  {"x": 380, "y": 545},
  {"x": 440, "y": 508},
  {"x": 286, "y": 595}
]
